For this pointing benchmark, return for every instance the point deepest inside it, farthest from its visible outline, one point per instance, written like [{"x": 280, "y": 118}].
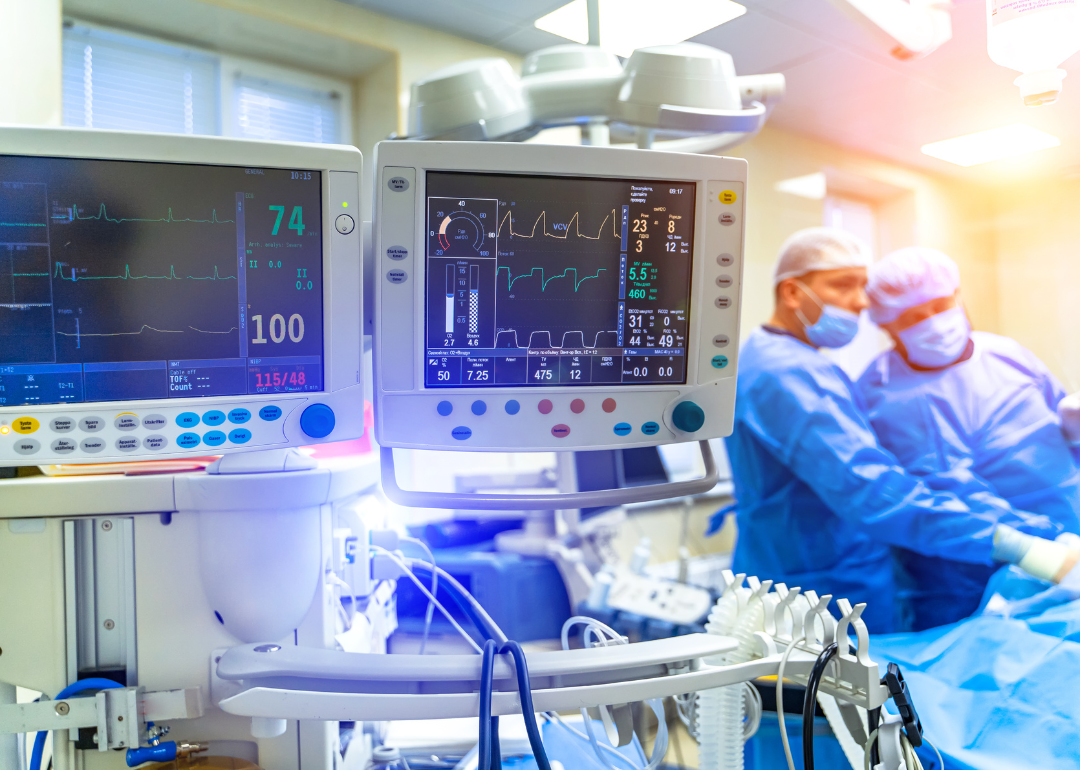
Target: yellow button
[
  {"x": 25, "y": 425},
  {"x": 728, "y": 197}
]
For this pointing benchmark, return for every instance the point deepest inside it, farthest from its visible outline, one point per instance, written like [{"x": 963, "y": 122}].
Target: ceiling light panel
[
  {"x": 626, "y": 25},
  {"x": 812, "y": 186},
  {"x": 991, "y": 145}
]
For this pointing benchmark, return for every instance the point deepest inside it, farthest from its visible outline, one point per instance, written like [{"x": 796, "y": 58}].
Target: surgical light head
[{"x": 685, "y": 90}]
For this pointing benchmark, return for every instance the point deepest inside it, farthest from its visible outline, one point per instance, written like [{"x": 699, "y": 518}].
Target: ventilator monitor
[
  {"x": 549, "y": 297},
  {"x": 164, "y": 296}
]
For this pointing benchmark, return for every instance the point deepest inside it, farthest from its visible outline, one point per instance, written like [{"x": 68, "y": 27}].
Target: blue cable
[
  {"x": 525, "y": 695},
  {"x": 82, "y": 685},
  {"x": 487, "y": 669}
]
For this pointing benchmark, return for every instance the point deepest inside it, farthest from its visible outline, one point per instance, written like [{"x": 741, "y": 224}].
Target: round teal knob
[{"x": 688, "y": 417}]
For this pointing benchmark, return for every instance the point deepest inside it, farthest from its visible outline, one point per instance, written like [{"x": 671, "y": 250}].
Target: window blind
[
  {"x": 277, "y": 111},
  {"x": 118, "y": 82}
]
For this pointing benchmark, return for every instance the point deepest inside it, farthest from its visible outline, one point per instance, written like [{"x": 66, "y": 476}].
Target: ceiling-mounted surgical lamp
[
  {"x": 687, "y": 94},
  {"x": 476, "y": 100}
]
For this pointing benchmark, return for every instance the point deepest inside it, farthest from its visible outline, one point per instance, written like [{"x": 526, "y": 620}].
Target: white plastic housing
[
  {"x": 406, "y": 412},
  {"x": 475, "y": 99},
  {"x": 1033, "y": 38},
  {"x": 685, "y": 75},
  {"x": 340, "y": 168}
]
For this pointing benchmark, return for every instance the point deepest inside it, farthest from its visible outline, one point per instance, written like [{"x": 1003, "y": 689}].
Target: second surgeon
[{"x": 953, "y": 404}]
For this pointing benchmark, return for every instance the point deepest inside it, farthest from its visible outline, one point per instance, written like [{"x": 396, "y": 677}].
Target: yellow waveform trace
[{"x": 575, "y": 220}]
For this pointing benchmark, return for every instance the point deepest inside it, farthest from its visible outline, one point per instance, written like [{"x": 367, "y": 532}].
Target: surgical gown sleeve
[
  {"x": 809, "y": 420},
  {"x": 1050, "y": 386}
]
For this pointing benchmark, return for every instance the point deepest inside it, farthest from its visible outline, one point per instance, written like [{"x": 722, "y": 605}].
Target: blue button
[
  {"x": 650, "y": 429},
  {"x": 478, "y": 408},
  {"x": 239, "y": 416},
  {"x": 240, "y": 436},
  {"x": 270, "y": 413},
  {"x": 688, "y": 416},
  {"x": 317, "y": 421},
  {"x": 512, "y": 407},
  {"x": 719, "y": 362},
  {"x": 214, "y": 438},
  {"x": 213, "y": 417},
  {"x": 622, "y": 429},
  {"x": 187, "y": 420},
  {"x": 444, "y": 408},
  {"x": 461, "y": 433},
  {"x": 188, "y": 440}
]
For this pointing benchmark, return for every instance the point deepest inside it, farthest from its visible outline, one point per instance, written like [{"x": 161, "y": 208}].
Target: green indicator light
[{"x": 344, "y": 204}]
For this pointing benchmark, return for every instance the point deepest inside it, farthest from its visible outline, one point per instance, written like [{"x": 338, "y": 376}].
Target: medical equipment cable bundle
[
  {"x": 489, "y": 740},
  {"x": 607, "y": 635}
]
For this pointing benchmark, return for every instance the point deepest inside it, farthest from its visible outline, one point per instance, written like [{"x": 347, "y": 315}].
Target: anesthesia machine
[{"x": 197, "y": 302}]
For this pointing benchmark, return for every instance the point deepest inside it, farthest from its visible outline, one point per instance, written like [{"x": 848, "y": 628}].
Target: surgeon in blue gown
[
  {"x": 948, "y": 401},
  {"x": 819, "y": 500}
]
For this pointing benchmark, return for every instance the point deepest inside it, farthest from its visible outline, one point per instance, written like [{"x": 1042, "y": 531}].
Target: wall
[
  {"x": 30, "y": 61},
  {"x": 913, "y": 208},
  {"x": 1038, "y": 268},
  {"x": 379, "y": 55}
]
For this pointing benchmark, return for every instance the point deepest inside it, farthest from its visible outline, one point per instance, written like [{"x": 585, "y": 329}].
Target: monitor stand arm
[{"x": 600, "y": 498}]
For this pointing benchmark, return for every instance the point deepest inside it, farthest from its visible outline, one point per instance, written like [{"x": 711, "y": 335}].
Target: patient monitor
[
  {"x": 542, "y": 298},
  {"x": 164, "y": 296}
]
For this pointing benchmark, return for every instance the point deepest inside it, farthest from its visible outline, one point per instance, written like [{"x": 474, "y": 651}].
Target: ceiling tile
[{"x": 761, "y": 44}]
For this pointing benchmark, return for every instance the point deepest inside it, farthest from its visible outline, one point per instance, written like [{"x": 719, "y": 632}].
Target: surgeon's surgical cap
[
  {"x": 907, "y": 278},
  {"x": 819, "y": 248}
]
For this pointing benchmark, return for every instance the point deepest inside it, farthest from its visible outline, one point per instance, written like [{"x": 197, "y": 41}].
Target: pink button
[
  {"x": 608, "y": 405},
  {"x": 560, "y": 431},
  {"x": 577, "y": 406},
  {"x": 544, "y": 406}
]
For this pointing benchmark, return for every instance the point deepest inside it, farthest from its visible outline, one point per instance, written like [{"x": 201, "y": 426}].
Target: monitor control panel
[
  {"x": 165, "y": 296},
  {"x": 533, "y": 297}
]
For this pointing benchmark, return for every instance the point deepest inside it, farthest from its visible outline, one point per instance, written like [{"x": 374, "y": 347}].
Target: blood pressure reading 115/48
[{"x": 550, "y": 281}]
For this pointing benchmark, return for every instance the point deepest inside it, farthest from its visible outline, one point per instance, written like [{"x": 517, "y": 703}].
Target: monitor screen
[
  {"x": 556, "y": 281},
  {"x": 126, "y": 280}
]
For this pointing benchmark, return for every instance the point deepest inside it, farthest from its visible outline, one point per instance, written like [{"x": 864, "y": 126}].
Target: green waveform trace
[
  {"x": 103, "y": 214},
  {"x": 22, "y": 224},
  {"x": 127, "y": 276},
  {"x": 544, "y": 282},
  {"x": 29, "y": 275}
]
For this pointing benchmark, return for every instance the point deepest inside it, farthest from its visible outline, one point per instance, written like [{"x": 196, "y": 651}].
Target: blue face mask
[
  {"x": 835, "y": 328},
  {"x": 938, "y": 340}
]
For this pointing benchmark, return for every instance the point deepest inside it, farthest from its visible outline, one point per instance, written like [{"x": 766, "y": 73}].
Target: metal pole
[{"x": 9, "y": 742}]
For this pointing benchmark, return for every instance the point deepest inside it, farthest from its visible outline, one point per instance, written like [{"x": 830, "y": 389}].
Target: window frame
[{"x": 230, "y": 68}]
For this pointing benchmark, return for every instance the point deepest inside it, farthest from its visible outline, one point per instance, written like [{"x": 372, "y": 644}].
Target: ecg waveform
[
  {"x": 21, "y": 224},
  {"x": 127, "y": 276},
  {"x": 145, "y": 327},
  {"x": 575, "y": 220},
  {"x": 512, "y": 279},
  {"x": 103, "y": 215}
]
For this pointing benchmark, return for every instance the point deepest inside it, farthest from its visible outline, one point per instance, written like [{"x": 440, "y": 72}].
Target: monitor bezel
[
  {"x": 342, "y": 309},
  {"x": 535, "y": 159}
]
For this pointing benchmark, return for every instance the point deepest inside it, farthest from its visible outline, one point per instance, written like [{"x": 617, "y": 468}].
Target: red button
[
  {"x": 577, "y": 406},
  {"x": 608, "y": 405},
  {"x": 544, "y": 406},
  {"x": 560, "y": 431}
]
